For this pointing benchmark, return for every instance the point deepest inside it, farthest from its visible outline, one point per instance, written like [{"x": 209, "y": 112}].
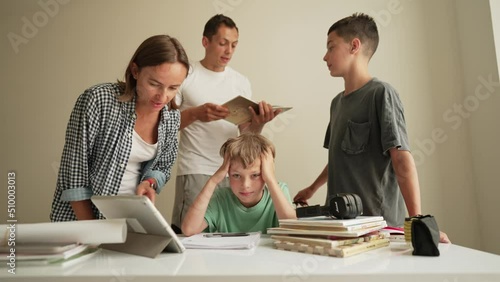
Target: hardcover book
[
  {"x": 331, "y": 222},
  {"x": 239, "y": 112},
  {"x": 326, "y": 226}
]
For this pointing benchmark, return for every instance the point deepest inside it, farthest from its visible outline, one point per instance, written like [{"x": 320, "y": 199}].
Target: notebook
[
  {"x": 142, "y": 217},
  {"x": 223, "y": 241}
]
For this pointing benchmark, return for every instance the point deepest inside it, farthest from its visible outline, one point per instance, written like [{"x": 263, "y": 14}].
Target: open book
[{"x": 239, "y": 112}]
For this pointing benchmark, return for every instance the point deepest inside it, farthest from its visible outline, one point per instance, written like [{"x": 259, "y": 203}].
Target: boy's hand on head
[
  {"x": 267, "y": 166},
  {"x": 221, "y": 173}
]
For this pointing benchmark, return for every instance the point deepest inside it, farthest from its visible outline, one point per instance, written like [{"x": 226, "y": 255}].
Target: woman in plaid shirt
[{"x": 122, "y": 137}]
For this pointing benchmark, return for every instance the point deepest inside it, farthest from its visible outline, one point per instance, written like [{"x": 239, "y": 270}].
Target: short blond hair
[{"x": 246, "y": 148}]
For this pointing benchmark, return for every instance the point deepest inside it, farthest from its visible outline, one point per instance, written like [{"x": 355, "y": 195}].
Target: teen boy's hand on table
[
  {"x": 304, "y": 195},
  {"x": 443, "y": 238}
]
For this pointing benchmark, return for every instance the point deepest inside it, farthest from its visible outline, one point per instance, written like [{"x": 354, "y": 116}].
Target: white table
[{"x": 393, "y": 263}]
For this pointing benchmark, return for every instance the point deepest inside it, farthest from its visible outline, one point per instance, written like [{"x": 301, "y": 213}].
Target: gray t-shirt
[{"x": 363, "y": 126}]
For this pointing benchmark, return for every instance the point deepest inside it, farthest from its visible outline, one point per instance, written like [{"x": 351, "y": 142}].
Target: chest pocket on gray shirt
[{"x": 356, "y": 137}]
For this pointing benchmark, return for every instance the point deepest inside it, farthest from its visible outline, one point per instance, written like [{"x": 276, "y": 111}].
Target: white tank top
[{"x": 140, "y": 152}]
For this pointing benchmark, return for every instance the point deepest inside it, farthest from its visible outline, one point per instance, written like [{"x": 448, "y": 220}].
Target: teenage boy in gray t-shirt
[{"x": 368, "y": 151}]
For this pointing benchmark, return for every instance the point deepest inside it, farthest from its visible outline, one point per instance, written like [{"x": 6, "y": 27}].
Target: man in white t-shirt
[{"x": 210, "y": 83}]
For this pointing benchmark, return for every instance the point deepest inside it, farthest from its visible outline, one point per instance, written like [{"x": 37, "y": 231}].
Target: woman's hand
[{"x": 144, "y": 188}]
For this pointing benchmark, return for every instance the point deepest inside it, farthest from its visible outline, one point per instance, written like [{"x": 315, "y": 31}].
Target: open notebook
[
  {"x": 224, "y": 241},
  {"x": 142, "y": 218}
]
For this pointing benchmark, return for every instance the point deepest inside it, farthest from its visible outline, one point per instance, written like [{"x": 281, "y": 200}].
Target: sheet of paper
[
  {"x": 39, "y": 248},
  {"x": 54, "y": 256},
  {"x": 211, "y": 241}
]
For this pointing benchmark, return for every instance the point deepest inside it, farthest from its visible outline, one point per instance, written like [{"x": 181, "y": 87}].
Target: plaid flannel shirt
[{"x": 97, "y": 148}]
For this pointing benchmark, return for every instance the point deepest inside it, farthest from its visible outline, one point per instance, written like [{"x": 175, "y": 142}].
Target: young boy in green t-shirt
[{"x": 254, "y": 202}]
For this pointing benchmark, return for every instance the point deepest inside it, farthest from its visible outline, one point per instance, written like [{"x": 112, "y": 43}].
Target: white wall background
[{"x": 440, "y": 55}]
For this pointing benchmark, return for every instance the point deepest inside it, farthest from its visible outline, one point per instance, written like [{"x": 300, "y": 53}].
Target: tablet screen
[{"x": 142, "y": 215}]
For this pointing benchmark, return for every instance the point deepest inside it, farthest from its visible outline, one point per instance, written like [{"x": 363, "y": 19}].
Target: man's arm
[
  {"x": 406, "y": 174},
  {"x": 205, "y": 113}
]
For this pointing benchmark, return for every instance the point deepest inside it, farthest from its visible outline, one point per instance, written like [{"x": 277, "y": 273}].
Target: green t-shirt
[{"x": 225, "y": 213}]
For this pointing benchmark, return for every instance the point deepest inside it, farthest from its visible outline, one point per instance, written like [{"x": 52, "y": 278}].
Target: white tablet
[{"x": 141, "y": 214}]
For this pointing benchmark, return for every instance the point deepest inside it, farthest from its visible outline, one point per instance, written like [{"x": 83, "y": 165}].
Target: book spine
[
  {"x": 362, "y": 247},
  {"x": 319, "y": 242},
  {"x": 336, "y": 243},
  {"x": 333, "y": 228}
]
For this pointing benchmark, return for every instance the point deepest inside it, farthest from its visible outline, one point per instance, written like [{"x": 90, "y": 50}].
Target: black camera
[{"x": 341, "y": 206}]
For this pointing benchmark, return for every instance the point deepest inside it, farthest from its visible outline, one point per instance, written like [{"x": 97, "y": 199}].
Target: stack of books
[
  {"x": 57, "y": 243},
  {"x": 46, "y": 254},
  {"x": 395, "y": 234},
  {"x": 332, "y": 237}
]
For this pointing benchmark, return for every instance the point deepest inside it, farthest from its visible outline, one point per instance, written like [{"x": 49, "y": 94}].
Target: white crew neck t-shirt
[
  {"x": 141, "y": 152},
  {"x": 200, "y": 142}
]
